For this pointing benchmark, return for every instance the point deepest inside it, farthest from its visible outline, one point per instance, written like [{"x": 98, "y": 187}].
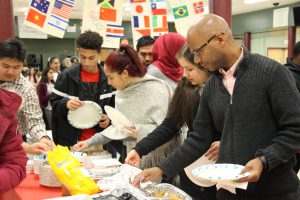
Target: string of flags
[
  {"x": 148, "y": 17},
  {"x": 49, "y": 16}
]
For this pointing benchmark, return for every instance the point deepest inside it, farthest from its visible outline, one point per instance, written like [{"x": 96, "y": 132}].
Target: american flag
[{"x": 63, "y": 8}]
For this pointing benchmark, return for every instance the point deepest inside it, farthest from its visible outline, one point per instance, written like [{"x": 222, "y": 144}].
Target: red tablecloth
[{"x": 30, "y": 189}]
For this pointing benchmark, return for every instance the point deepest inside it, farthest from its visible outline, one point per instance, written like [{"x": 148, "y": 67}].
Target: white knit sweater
[{"x": 144, "y": 103}]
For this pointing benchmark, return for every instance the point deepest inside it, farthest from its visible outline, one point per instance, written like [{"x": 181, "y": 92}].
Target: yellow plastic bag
[{"x": 70, "y": 172}]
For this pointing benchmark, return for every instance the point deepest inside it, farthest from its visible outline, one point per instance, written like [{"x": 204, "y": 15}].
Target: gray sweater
[
  {"x": 155, "y": 71},
  {"x": 262, "y": 117},
  {"x": 145, "y": 104}
]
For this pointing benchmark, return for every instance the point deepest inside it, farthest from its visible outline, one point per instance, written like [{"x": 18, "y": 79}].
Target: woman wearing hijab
[{"x": 165, "y": 65}]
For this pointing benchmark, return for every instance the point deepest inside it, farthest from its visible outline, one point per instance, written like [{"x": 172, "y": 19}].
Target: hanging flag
[
  {"x": 40, "y": 5},
  {"x": 108, "y": 14},
  {"x": 180, "y": 12},
  {"x": 106, "y": 3},
  {"x": 35, "y": 17},
  {"x": 57, "y": 22},
  {"x": 141, "y": 21},
  {"x": 198, "y": 7},
  {"x": 158, "y": 9},
  {"x": 155, "y": 1},
  {"x": 159, "y": 24},
  {"x": 143, "y": 31},
  {"x": 137, "y": 1},
  {"x": 159, "y": 21},
  {"x": 62, "y": 9},
  {"x": 114, "y": 31}
]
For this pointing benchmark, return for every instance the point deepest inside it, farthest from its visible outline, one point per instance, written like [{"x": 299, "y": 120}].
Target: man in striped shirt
[{"x": 12, "y": 55}]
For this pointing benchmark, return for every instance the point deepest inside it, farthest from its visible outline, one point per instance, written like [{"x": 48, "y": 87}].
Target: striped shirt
[{"x": 29, "y": 114}]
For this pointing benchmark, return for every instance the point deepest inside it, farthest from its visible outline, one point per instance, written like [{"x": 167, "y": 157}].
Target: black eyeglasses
[{"x": 197, "y": 51}]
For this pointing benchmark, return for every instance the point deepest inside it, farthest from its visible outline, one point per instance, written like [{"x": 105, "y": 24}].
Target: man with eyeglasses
[
  {"x": 253, "y": 101},
  {"x": 144, "y": 49}
]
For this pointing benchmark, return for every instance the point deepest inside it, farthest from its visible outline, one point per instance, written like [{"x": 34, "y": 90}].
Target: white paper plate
[
  {"x": 79, "y": 155},
  {"x": 215, "y": 172},
  {"x": 195, "y": 179},
  {"x": 115, "y": 132},
  {"x": 86, "y": 116},
  {"x": 117, "y": 117},
  {"x": 100, "y": 172}
]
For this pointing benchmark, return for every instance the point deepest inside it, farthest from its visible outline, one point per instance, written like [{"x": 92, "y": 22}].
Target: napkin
[
  {"x": 197, "y": 180},
  {"x": 231, "y": 185}
]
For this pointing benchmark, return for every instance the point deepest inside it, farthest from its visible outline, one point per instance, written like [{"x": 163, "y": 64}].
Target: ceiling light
[{"x": 252, "y": 1}]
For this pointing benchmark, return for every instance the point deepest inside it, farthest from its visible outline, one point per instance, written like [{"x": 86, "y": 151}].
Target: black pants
[
  {"x": 116, "y": 146},
  {"x": 195, "y": 191}
]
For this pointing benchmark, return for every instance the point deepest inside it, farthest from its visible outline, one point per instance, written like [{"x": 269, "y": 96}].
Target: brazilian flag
[{"x": 180, "y": 12}]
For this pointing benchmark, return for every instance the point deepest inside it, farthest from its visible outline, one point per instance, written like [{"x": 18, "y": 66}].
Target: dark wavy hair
[
  {"x": 90, "y": 40},
  {"x": 44, "y": 76},
  {"x": 297, "y": 49},
  {"x": 144, "y": 41},
  {"x": 12, "y": 48},
  {"x": 51, "y": 60},
  {"x": 125, "y": 58},
  {"x": 183, "y": 106}
]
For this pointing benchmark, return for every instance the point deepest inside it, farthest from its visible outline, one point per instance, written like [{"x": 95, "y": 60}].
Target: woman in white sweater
[{"x": 142, "y": 98}]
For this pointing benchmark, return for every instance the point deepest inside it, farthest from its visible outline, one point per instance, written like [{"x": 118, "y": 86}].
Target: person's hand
[
  {"x": 50, "y": 144},
  {"x": 74, "y": 104},
  {"x": 151, "y": 174},
  {"x": 133, "y": 158},
  {"x": 213, "y": 151},
  {"x": 82, "y": 145},
  {"x": 37, "y": 148},
  {"x": 131, "y": 131},
  {"x": 104, "y": 121},
  {"x": 255, "y": 168}
]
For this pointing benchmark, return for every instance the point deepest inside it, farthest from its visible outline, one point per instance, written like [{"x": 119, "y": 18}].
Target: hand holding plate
[
  {"x": 74, "y": 104},
  {"x": 255, "y": 168},
  {"x": 104, "y": 121},
  {"x": 131, "y": 131},
  {"x": 213, "y": 151}
]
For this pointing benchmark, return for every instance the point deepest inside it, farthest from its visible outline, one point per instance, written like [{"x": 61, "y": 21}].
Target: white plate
[
  {"x": 117, "y": 117},
  {"x": 215, "y": 172},
  {"x": 115, "y": 132},
  {"x": 80, "y": 156},
  {"x": 86, "y": 116},
  {"x": 195, "y": 179},
  {"x": 100, "y": 172}
]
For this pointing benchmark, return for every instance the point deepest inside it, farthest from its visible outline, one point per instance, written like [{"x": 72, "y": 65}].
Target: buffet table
[{"x": 31, "y": 189}]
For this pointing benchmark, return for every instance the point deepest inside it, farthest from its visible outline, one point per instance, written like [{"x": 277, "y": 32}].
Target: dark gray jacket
[
  {"x": 262, "y": 117},
  {"x": 295, "y": 69}
]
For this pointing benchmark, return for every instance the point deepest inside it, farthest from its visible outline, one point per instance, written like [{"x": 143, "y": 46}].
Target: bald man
[{"x": 253, "y": 101}]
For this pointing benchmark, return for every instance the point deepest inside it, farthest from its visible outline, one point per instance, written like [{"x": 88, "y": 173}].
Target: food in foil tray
[
  {"x": 165, "y": 191},
  {"x": 168, "y": 195},
  {"x": 162, "y": 191},
  {"x": 124, "y": 196}
]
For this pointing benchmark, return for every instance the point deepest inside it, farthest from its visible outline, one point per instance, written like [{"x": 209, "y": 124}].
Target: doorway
[{"x": 278, "y": 54}]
